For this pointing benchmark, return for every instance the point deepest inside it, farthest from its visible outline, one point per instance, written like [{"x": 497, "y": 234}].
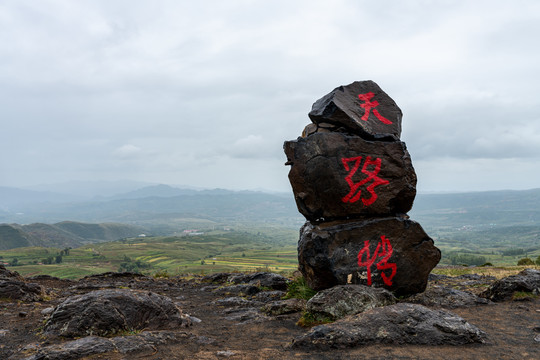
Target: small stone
[
  {"x": 226, "y": 353},
  {"x": 47, "y": 311},
  {"x": 23, "y": 314}
]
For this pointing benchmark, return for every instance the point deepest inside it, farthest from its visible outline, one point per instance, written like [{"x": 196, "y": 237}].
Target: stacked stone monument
[{"x": 354, "y": 182}]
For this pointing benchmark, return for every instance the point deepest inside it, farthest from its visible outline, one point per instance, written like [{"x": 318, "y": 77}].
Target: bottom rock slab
[{"x": 394, "y": 253}]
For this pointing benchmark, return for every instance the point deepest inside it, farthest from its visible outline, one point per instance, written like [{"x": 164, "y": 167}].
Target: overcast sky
[{"x": 204, "y": 93}]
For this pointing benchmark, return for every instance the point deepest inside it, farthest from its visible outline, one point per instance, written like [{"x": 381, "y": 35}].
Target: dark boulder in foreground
[
  {"x": 527, "y": 281},
  {"x": 108, "y": 312},
  {"x": 342, "y": 300},
  {"x": 395, "y": 324},
  {"x": 393, "y": 253}
]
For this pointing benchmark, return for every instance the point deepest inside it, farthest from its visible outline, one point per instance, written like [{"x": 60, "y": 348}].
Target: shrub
[
  {"x": 538, "y": 260},
  {"x": 525, "y": 261},
  {"x": 161, "y": 274},
  {"x": 309, "y": 319},
  {"x": 299, "y": 289}
]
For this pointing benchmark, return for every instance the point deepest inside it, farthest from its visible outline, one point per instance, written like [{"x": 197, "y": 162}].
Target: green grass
[{"x": 218, "y": 251}]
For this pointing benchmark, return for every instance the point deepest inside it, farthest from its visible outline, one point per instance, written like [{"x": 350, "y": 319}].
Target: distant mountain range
[
  {"x": 146, "y": 204},
  {"x": 159, "y": 209}
]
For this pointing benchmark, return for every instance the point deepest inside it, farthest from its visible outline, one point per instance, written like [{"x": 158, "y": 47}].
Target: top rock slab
[{"x": 362, "y": 108}]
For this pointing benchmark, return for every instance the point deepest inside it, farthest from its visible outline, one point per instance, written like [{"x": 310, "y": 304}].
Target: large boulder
[
  {"x": 108, "y": 312},
  {"x": 394, "y": 253},
  {"x": 362, "y": 108},
  {"x": 527, "y": 281},
  {"x": 342, "y": 300},
  {"x": 337, "y": 176},
  {"x": 395, "y": 324}
]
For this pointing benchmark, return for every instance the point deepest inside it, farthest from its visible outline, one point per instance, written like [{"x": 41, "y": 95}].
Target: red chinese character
[
  {"x": 355, "y": 193},
  {"x": 385, "y": 253},
  {"x": 369, "y": 105}
]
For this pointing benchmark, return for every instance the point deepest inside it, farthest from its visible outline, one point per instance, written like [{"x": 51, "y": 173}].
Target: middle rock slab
[{"x": 339, "y": 176}]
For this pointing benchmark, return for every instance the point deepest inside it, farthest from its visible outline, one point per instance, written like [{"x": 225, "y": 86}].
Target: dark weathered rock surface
[
  {"x": 441, "y": 296},
  {"x": 91, "y": 345},
  {"x": 393, "y": 253},
  {"x": 6, "y": 274},
  {"x": 18, "y": 290},
  {"x": 107, "y": 312},
  {"x": 13, "y": 287},
  {"x": 337, "y": 176},
  {"x": 394, "y": 324},
  {"x": 249, "y": 333},
  {"x": 343, "y": 300},
  {"x": 240, "y": 290},
  {"x": 287, "y": 306},
  {"x": 261, "y": 279},
  {"x": 362, "y": 108},
  {"x": 526, "y": 281}
]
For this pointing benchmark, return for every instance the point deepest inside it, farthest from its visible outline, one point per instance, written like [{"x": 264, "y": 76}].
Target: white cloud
[{"x": 127, "y": 151}]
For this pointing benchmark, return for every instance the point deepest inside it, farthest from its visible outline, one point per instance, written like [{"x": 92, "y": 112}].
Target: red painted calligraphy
[
  {"x": 371, "y": 105},
  {"x": 356, "y": 194},
  {"x": 384, "y": 250}
]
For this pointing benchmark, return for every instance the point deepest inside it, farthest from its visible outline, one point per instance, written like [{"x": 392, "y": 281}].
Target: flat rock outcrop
[
  {"x": 445, "y": 297},
  {"x": 343, "y": 300},
  {"x": 395, "y": 324},
  {"x": 260, "y": 279},
  {"x": 108, "y": 312},
  {"x": 14, "y": 287},
  {"x": 527, "y": 281}
]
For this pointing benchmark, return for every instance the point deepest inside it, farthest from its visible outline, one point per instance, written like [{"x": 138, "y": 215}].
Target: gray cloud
[{"x": 206, "y": 93}]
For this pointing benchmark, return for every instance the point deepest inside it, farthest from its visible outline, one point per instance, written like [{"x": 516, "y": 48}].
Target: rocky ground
[{"x": 235, "y": 316}]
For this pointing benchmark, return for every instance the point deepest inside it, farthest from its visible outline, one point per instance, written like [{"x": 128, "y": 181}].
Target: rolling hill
[{"x": 64, "y": 234}]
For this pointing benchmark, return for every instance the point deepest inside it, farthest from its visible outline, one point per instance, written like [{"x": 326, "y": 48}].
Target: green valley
[{"x": 266, "y": 249}]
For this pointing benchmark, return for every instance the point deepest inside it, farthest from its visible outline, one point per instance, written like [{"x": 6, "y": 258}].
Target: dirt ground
[{"x": 511, "y": 327}]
